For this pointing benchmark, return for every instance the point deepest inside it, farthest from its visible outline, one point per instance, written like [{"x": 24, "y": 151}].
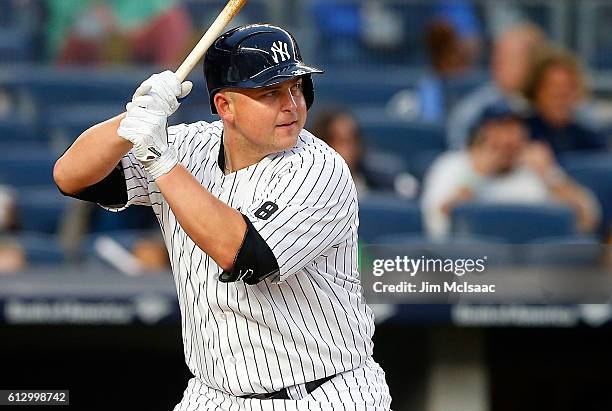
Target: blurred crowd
[
  {"x": 94, "y": 32},
  {"x": 512, "y": 137},
  {"x": 506, "y": 137}
]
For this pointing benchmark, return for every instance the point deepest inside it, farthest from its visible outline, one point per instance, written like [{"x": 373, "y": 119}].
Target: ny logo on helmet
[{"x": 279, "y": 48}]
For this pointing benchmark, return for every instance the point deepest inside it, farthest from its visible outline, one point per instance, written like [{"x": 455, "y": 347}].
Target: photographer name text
[{"x": 427, "y": 287}]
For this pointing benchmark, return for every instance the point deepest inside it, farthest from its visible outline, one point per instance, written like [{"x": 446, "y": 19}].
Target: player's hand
[
  {"x": 167, "y": 88},
  {"x": 146, "y": 127}
]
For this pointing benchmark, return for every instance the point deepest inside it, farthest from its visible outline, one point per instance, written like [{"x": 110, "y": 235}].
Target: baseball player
[{"x": 260, "y": 221}]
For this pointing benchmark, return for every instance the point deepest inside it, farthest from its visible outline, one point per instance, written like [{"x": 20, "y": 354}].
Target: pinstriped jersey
[{"x": 309, "y": 320}]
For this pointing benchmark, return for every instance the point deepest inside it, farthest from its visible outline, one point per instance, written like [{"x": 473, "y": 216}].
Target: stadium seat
[
  {"x": 384, "y": 168},
  {"x": 354, "y": 93},
  {"x": 50, "y": 87},
  {"x": 416, "y": 142},
  {"x": 398, "y": 136},
  {"x": 41, "y": 209},
  {"x": 14, "y": 44},
  {"x": 515, "y": 223},
  {"x": 26, "y": 166},
  {"x": 40, "y": 248},
  {"x": 381, "y": 214},
  {"x": 347, "y": 85},
  {"x": 457, "y": 87},
  {"x": 422, "y": 161},
  {"x": 47, "y": 86},
  {"x": 594, "y": 171},
  {"x": 125, "y": 238},
  {"x": 583, "y": 159},
  {"x": 134, "y": 217},
  {"x": 412, "y": 238},
  {"x": 408, "y": 239},
  {"x": 7, "y": 12},
  {"x": 67, "y": 121},
  {"x": 203, "y": 13},
  {"x": 102, "y": 249},
  {"x": 16, "y": 129},
  {"x": 563, "y": 251}
]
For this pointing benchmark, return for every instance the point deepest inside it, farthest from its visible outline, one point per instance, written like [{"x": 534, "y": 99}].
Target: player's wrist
[{"x": 163, "y": 164}]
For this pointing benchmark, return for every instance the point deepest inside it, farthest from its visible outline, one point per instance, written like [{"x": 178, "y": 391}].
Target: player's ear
[{"x": 225, "y": 105}]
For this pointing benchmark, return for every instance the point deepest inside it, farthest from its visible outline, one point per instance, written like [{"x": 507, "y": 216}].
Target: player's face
[{"x": 270, "y": 118}]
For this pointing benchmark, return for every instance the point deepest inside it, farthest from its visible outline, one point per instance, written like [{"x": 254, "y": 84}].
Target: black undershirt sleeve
[
  {"x": 109, "y": 192},
  {"x": 255, "y": 260}
]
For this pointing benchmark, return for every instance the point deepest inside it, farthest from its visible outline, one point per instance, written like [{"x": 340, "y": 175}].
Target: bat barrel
[{"x": 214, "y": 31}]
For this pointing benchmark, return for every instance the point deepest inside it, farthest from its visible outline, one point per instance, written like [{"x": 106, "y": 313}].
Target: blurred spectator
[
  {"x": 9, "y": 220},
  {"x": 12, "y": 257},
  {"x": 447, "y": 55},
  {"x": 501, "y": 15},
  {"x": 513, "y": 54},
  {"x": 382, "y": 29},
  {"x": 374, "y": 170},
  {"x": 448, "y": 58},
  {"x": 151, "y": 253},
  {"x": 461, "y": 15},
  {"x": 118, "y": 31},
  {"x": 555, "y": 88},
  {"x": 339, "y": 129},
  {"x": 85, "y": 218},
  {"x": 133, "y": 252},
  {"x": 500, "y": 165}
]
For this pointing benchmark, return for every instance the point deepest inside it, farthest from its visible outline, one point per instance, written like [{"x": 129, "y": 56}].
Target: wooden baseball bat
[{"x": 215, "y": 30}]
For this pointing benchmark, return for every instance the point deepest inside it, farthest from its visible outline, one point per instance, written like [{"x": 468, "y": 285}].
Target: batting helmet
[{"x": 254, "y": 56}]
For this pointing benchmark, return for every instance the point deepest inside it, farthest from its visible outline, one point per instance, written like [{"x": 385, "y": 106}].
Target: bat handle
[{"x": 215, "y": 30}]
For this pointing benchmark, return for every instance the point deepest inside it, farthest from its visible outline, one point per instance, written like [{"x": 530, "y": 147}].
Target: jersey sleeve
[
  {"x": 309, "y": 206},
  {"x": 136, "y": 184}
]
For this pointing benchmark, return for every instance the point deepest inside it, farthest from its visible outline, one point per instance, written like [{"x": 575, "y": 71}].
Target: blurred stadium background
[{"x": 87, "y": 302}]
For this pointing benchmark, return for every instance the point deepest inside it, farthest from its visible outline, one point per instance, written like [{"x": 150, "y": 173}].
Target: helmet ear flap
[
  {"x": 213, "y": 109},
  {"x": 308, "y": 89}
]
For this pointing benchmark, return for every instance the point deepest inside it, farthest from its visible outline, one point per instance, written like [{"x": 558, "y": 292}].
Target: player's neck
[{"x": 239, "y": 154}]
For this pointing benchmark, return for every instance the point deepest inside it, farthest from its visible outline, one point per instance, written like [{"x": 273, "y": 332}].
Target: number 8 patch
[{"x": 266, "y": 210}]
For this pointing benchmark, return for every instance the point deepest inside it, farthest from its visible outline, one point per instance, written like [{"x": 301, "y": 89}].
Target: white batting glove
[
  {"x": 166, "y": 87},
  {"x": 146, "y": 127}
]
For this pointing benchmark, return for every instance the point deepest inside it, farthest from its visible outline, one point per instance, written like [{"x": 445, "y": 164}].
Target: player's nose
[{"x": 288, "y": 102}]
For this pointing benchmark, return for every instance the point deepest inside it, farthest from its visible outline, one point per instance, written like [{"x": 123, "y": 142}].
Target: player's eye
[
  {"x": 271, "y": 93},
  {"x": 297, "y": 87}
]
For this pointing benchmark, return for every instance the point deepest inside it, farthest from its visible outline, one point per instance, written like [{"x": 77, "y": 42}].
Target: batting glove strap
[{"x": 162, "y": 164}]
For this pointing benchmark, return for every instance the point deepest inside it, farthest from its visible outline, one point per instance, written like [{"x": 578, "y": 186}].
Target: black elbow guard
[
  {"x": 254, "y": 261},
  {"x": 110, "y": 192}
]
